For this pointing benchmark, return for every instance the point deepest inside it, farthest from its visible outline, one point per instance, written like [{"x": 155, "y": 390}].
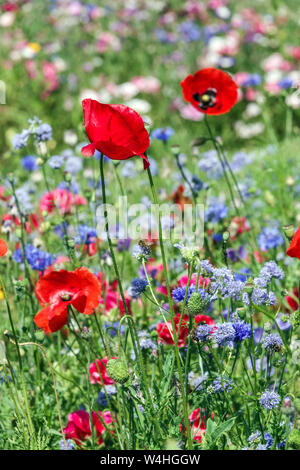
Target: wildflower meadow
[{"x": 149, "y": 207}]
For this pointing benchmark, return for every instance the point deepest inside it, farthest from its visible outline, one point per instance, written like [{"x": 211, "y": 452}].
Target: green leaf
[{"x": 221, "y": 429}]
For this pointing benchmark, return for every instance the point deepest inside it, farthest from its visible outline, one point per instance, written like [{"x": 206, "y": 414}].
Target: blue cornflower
[
  {"x": 163, "y": 134},
  {"x": 221, "y": 384},
  {"x": 68, "y": 445},
  {"x": 178, "y": 293},
  {"x": 273, "y": 342},
  {"x": 43, "y": 132},
  {"x": 190, "y": 31},
  {"x": 269, "y": 439},
  {"x": 19, "y": 141},
  {"x": 85, "y": 234},
  {"x": 110, "y": 392},
  {"x": 270, "y": 400},
  {"x": 138, "y": 286},
  {"x": 29, "y": 163},
  {"x": 112, "y": 328},
  {"x": 270, "y": 237},
  {"x": 211, "y": 165},
  {"x": 197, "y": 184},
  {"x": 56, "y": 162},
  {"x": 73, "y": 165},
  {"x": 216, "y": 210},
  {"x": 37, "y": 259},
  {"x": 203, "y": 332},
  {"x": 253, "y": 79},
  {"x": 242, "y": 330}
]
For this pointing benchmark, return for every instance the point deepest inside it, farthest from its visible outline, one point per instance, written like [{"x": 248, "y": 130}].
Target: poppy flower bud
[
  {"x": 71, "y": 243},
  {"x": 195, "y": 303},
  {"x": 117, "y": 371},
  {"x": 226, "y": 236},
  {"x": 175, "y": 149},
  {"x": 249, "y": 286},
  {"x": 289, "y": 231}
]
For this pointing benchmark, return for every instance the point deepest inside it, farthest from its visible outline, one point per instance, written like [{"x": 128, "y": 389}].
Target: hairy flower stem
[
  {"x": 222, "y": 164},
  {"x": 134, "y": 337},
  {"x": 165, "y": 270}
]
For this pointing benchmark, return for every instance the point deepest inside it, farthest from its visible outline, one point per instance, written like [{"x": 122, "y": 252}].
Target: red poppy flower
[
  {"x": 294, "y": 249},
  {"x": 114, "y": 130},
  {"x": 79, "y": 428},
  {"x": 100, "y": 366},
  {"x": 164, "y": 331},
  {"x": 210, "y": 91},
  {"x": 293, "y": 299},
  {"x": 3, "y": 247},
  {"x": 58, "y": 289}
]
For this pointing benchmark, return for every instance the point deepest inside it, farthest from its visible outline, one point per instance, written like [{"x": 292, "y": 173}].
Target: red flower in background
[
  {"x": 198, "y": 428},
  {"x": 63, "y": 199},
  {"x": 164, "y": 331},
  {"x": 294, "y": 249},
  {"x": 114, "y": 130},
  {"x": 293, "y": 300},
  {"x": 111, "y": 297},
  {"x": 3, "y": 247},
  {"x": 179, "y": 198},
  {"x": 79, "y": 429},
  {"x": 58, "y": 289},
  {"x": 95, "y": 367},
  {"x": 210, "y": 91}
]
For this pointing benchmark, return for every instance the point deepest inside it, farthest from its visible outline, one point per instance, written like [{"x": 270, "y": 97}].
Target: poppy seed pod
[
  {"x": 117, "y": 371},
  {"x": 195, "y": 303}
]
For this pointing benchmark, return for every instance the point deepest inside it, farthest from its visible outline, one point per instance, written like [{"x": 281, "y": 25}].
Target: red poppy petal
[
  {"x": 294, "y": 249},
  {"x": 41, "y": 320},
  {"x": 3, "y": 247},
  {"x": 117, "y": 130},
  {"x": 88, "y": 150}
]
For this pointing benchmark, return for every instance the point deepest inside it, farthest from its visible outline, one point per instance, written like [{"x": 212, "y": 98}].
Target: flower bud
[
  {"x": 117, "y": 371},
  {"x": 289, "y": 231},
  {"x": 195, "y": 303}
]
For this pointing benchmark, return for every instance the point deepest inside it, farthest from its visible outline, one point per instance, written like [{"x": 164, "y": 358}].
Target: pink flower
[
  {"x": 100, "y": 366},
  {"x": 79, "y": 429},
  {"x": 63, "y": 199},
  {"x": 190, "y": 113},
  {"x": 146, "y": 84}
]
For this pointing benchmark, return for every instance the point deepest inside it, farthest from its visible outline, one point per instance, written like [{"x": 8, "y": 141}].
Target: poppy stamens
[
  {"x": 66, "y": 297},
  {"x": 208, "y": 99}
]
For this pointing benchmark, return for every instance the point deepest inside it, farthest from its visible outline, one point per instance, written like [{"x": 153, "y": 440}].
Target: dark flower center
[
  {"x": 65, "y": 297},
  {"x": 208, "y": 99}
]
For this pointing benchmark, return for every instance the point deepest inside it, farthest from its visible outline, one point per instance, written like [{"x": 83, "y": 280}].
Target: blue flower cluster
[
  {"x": 270, "y": 400},
  {"x": 37, "y": 259},
  {"x": 137, "y": 287},
  {"x": 273, "y": 342}
]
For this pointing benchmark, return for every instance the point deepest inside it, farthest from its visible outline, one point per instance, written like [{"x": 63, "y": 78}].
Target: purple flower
[
  {"x": 270, "y": 400},
  {"x": 269, "y": 238}
]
